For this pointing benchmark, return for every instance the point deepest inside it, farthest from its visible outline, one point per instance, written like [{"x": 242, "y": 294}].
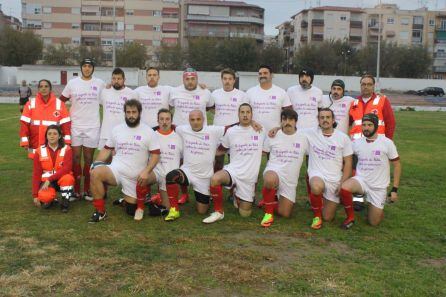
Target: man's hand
[
  {"x": 256, "y": 126},
  {"x": 272, "y": 133},
  {"x": 143, "y": 178},
  {"x": 203, "y": 86},
  {"x": 393, "y": 197},
  {"x": 45, "y": 185},
  {"x": 36, "y": 202}
]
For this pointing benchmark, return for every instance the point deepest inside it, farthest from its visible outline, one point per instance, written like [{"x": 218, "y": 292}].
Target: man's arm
[
  {"x": 347, "y": 168},
  {"x": 144, "y": 175},
  {"x": 396, "y": 179},
  {"x": 221, "y": 150},
  {"x": 389, "y": 119}
]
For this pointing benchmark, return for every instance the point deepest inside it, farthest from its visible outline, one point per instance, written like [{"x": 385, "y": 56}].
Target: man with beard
[
  {"x": 340, "y": 104},
  {"x": 245, "y": 145},
  {"x": 374, "y": 151},
  {"x": 330, "y": 164},
  {"x": 306, "y": 99},
  {"x": 137, "y": 153},
  {"x": 112, "y": 101},
  {"x": 83, "y": 93},
  {"x": 287, "y": 150},
  {"x": 189, "y": 96},
  {"x": 153, "y": 97}
]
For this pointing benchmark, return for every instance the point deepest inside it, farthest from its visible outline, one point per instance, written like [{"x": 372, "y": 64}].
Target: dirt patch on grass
[{"x": 437, "y": 263}]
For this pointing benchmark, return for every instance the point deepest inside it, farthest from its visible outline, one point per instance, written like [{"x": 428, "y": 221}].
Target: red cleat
[{"x": 184, "y": 198}]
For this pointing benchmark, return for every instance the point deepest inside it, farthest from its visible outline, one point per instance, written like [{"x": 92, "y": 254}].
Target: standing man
[
  {"x": 112, "y": 101},
  {"x": 267, "y": 100},
  {"x": 200, "y": 142},
  {"x": 245, "y": 145},
  {"x": 330, "y": 164},
  {"x": 153, "y": 97},
  {"x": 24, "y": 94},
  {"x": 287, "y": 150},
  {"x": 340, "y": 105},
  {"x": 375, "y": 152},
  {"x": 188, "y": 97},
  {"x": 137, "y": 153},
  {"x": 306, "y": 99},
  {"x": 83, "y": 93}
]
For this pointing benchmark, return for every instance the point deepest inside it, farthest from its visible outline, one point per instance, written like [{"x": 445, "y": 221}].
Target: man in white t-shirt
[
  {"x": 200, "y": 143},
  {"x": 267, "y": 100},
  {"x": 83, "y": 93},
  {"x": 306, "y": 99},
  {"x": 137, "y": 153},
  {"x": 245, "y": 145},
  {"x": 287, "y": 151},
  {"x": 374, "y": 151},
  {"x": 330, "y": 164},
  {"x": 227, "y": 101},
  {"x": 112, "y": 101},
  {"x": 153, "y": 97},
  {"x": 340, "y": 105},
  {"x": 189, "y": 96}
]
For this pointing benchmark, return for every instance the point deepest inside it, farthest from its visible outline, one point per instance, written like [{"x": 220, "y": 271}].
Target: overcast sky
[{"x": 279, "y": 11}]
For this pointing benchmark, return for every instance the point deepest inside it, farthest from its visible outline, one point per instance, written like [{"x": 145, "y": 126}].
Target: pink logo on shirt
[
  {"x": 255, "y": 137},
  {"x": 206, "y": 137},
  {"x": 313, "y": 99},
  {"x": 94, "y": 88},
  {"x": 296, "y": 145},
  {"x": 343, "y": 105},
  {"x": 333, "y": 147},
  {"x": 273, "y": 97},
  {"x": 124, "y": 98},
  {"x": 197, "y": 97},
  {"x": 138, "y": 137},
  {"x": 377, "y": 153},
  {"x": 158, "y": 93},
  {"x": 172, "y": 146},
  {"x": 234, "y": 99}
]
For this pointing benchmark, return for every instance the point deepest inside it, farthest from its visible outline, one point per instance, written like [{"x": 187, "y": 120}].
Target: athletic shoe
[
  {"x": 183, "y": 198},
  {"x": 98, "y": 216},
  {"x": 358, "y": 206},
  {"x": 173, "y": 215},
  {"x": 139, "y": 214},
  {"x": 214, "y": 217},
  {"x": 118, "y": 201},
  {"x": 347, "y": 224},
  {"x": 87, "y": 196},
  {"x": 156, "y": 199},
  {"x": 317, "y": 223},
  {"x": 75, "y": 197},
  {"x": 64, "y": 204},
  {"x": 268, "y": 220}
]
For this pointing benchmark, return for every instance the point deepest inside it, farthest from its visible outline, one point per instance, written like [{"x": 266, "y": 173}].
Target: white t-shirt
[
  {"x": 185, "y": 101},
  {"x": 326, "y": 153},
  {"x": 286, "y": 154},
  {"x": 341, "y": 108},
  {"x": 152, "y": 100},
  {"x": 267, "y": 105},
  {"x": 199, "y": 149},
  {"x": 373, "y": 160},
  {"x": 133, "y": 147},
  {"x": 171, "y": 152},
  {"x": 246, "y": 146},
  {"x": 226, "y": 106},
  {"x": 112, "y": 102},
  {"x": 306, "y": 104},
  {"x": 84, "y": 98}
]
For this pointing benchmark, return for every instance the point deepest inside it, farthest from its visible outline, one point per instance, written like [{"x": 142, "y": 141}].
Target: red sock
[
  {"x": 172, "y": 193},
  {"x": 141, "y": 193},
  {"x": 86, "y": 172},
  {"x": 77, "y": 172},
  {"x": 347, "y": 201},
  {"x": 269, "y": 197},
  {"x": 316, "y": 204},
  {"x": 99, "y": 204},
  {"x": 217, "y": 196}
]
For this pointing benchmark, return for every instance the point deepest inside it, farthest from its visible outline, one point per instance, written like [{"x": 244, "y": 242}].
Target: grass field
[{"x": 47, "y": 253}]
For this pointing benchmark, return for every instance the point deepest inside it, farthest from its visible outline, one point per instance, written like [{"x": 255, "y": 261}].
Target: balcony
[
  {"x": 417, "y": 26},
  {"x": 304, "y": 38},
  {"x": 226, "y": 19},
  {"x": 246, "y": 35},
  {"x": 317, "y": 37},
  {"x": 304, "y": 24},
  {"x": 317, "y": 22},
  {"x": 355, "y": 39},
  {"x": 440, "y": 29},
  {"x": 439, "y": 68},
  {"x": 201, "y": 33},
  {"x": 390, "y": 34},
  {"x": 355, "y": 24},
  {"x": 440, "y": 55}
]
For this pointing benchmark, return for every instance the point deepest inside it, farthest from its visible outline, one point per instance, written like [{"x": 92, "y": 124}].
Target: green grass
[{"x": 45, "y": 252}]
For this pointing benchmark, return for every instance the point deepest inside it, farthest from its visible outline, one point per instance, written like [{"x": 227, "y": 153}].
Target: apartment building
[
  {"x": 221, "y": 19},
  {"x": 10, "y": 21},
  {"x": 90, "y": 22}
]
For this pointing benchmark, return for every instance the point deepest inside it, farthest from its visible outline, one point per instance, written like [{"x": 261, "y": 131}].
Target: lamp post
[
  {"x": 114, "y": 35},
  {"x": 345, "y": 53},
  {"x": 378, "y": 55}
]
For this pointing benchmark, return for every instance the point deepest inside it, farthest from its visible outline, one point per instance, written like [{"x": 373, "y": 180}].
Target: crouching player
[
  {"x": 287, "y": 150},
  {"x": 137, "y": 153},
  {"x": 372, "y": 177},
  {"x": 52, "y": 170}
]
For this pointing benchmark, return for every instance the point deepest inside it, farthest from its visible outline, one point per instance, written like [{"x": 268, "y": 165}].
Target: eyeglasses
[{"x": 367, "y": 85}]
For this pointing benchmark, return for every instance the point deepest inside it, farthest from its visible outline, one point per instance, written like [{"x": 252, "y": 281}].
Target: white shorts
[
  {"x": 201, "y": 185},
  {"x": 128, "y": 185},
  {"x": 102, "y": 143},
  {"x": 285, "y": 189},
  {"x": 376, "y": 196},
  {"x": 330, "y": 188},
  {"x": 88, "y": 137},
  {"x": 245, "y": 190},
  {"x": 160, "y": 179}
]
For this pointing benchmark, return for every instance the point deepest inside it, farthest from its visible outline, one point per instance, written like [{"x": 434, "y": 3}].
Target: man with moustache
[
  {"x": 83, "y": 93},
  {"x": 137, "y": 153},
  {"x": 374, "y": 152},
  {"x": 330, "y": 164}
]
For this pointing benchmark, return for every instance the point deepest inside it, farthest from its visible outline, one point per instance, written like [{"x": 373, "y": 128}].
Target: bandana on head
[{"x": 190, "y": 72}]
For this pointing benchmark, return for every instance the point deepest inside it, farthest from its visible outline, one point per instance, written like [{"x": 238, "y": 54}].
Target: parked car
[{"x": 434, "y": 91}]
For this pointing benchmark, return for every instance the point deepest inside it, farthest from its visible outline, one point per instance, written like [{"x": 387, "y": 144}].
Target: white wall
[{"x": 8, "y": 76}]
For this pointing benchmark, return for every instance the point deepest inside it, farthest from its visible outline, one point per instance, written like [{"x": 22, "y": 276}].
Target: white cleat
[
  {"x": 214, "y": 217},
  {"x": 139, "y": 214}
]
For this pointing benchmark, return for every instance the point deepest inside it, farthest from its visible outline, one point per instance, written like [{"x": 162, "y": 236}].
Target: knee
[
  {"x": 215, "y": 181},
  {"x": 284, "y": 213},
  {"x": 173, "y": 177},
  {"x": 317, "y": 188},
  {"x": 328, "y": 217}
]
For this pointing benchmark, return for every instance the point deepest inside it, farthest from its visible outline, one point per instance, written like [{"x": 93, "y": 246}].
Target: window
[
  {"x": 75, "y": 26},
  {"x": 157, "y": 28},
  {"x": 75, "y": 10},
  {"x": 156, "y": 42},
  {"x": 47, "y": 25},
  {"x": 106, "y": 42},
  {"x": 47, "y": 40},
  {"x": 46, "y": 9},
  {"x": 404, "y": 21},
  {"x": 343, "y": 18},
  {"x": 418, "y": 20},
  {"x": 75, "y": 40},
  {"x": 404, "y": 35},
  {"x": 431, "y": 22},
  {"x": 37, "y": 10},
  {"x": 130, "y": 12},
  {"x": 443, "y": 25},
  {"x": 120, "y": 26},
  {"x": 390, "y": 21},
  {"x": 129, "y": 27},
  {"x": 157, "y": 13}
]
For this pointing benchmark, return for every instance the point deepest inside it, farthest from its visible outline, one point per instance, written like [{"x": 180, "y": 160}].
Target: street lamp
[
  {"x": 114, "y": 35},
  {"x": 378, "y": 55},
  {"x": 345, "y": 53}
]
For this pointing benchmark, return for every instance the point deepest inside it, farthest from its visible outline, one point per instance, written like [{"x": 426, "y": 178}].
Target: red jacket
[{"x": 38, "y": 115}]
